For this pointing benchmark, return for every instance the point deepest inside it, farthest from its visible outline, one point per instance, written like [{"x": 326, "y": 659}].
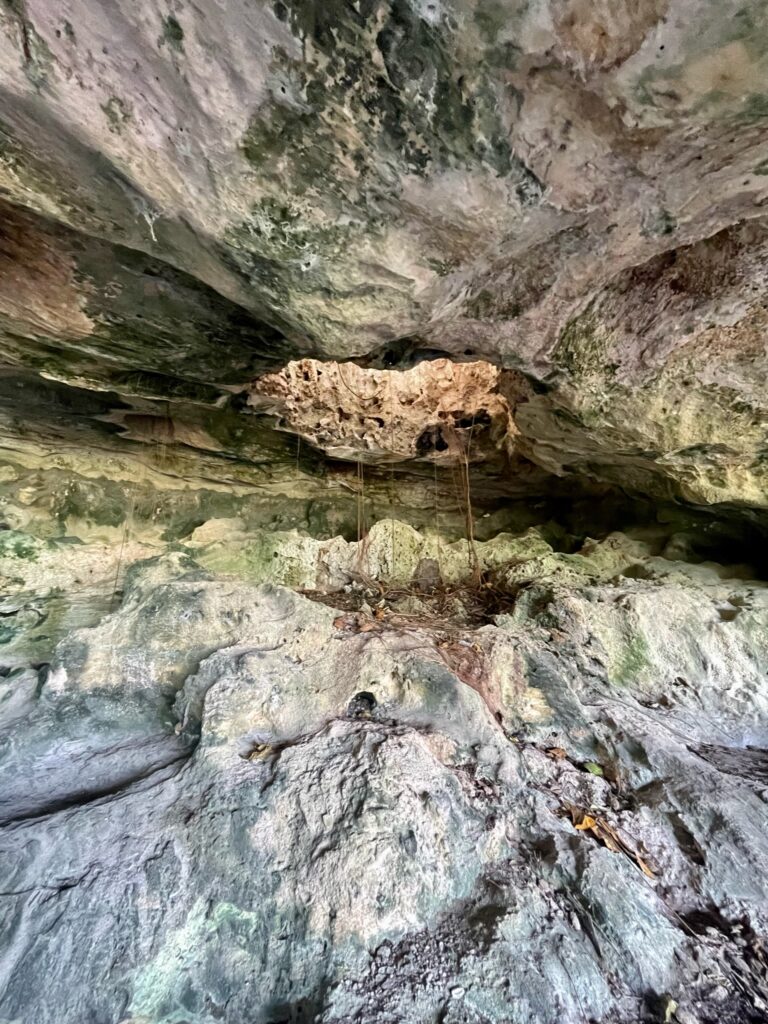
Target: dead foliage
[
  {"x": 557, "y": 753},
  {"x": 605, "y": 834},
  {"x": 449, "y": 607},
  {"x": 356, "y": 622}
]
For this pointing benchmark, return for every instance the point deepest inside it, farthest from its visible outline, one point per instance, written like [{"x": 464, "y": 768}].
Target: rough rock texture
[
  {"x": 258, "y": 811},
  {"x": 193, "y": 195},
  {"x": 450, "y": 316},
  {"x": 449, "y": 413}
]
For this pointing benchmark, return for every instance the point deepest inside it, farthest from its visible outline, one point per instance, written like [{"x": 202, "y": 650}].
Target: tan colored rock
[
  {"x": 38, "y": 290},
  {"x": 596, "y": 35},
  {"x": 442, "y": 411}
]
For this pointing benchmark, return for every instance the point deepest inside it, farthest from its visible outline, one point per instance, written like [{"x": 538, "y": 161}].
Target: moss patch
[
  {"x": 172, "y": 34},
  {"x": 755, "y": 108},
  {"x": 14, "y": 544},
  {"x": 632, "y": 660},
  {"x": 409, "y": 107},
  {"x": 583, "y": 345}
]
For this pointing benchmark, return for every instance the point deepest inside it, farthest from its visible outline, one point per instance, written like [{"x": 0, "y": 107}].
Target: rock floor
[{"x": 228, "y": 802}]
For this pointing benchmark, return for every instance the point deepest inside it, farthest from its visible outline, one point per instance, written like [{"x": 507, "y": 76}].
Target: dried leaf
[
  {"x": 606, "y": 834},
  {"x": 585, "y": 823},
  {"x": 644, "y": 867},
  {"x": 609, "y": 837},
  {"x": 260, "y": 751},
  {"x": 558, "y": 753}
]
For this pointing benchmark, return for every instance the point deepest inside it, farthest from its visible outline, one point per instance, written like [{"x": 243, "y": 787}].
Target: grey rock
[{"x": 224, "y": 840}]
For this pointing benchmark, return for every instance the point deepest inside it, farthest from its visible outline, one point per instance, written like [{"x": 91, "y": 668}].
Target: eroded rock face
[
  {"x": 262, "y": 811},
  {"x": 572, "y": 190},
  {"x": 449, "y": 315},
  {"x": 446, "y": 412}
]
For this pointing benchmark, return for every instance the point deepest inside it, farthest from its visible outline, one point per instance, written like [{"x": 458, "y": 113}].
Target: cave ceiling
[{"x": 571, "y": 192}]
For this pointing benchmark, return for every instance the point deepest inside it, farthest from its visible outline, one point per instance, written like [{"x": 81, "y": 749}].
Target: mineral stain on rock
[{"x": 383, "y": 512}]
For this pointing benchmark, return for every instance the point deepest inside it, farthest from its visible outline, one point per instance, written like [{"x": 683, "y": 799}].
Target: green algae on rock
[{"x": 383, "y": 498}]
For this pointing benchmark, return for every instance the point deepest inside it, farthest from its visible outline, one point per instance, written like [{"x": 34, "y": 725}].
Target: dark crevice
[{"x": 157, "y": 773}]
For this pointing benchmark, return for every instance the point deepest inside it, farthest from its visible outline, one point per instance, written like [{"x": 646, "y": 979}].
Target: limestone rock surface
[
  {"x": 383, "y": 512},
  {"x": 258, "y": 811},
  {"x": 195, "y": 195}
]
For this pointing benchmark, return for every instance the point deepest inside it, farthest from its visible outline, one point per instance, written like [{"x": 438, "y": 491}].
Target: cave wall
[{"x": 383, "y": 497}]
